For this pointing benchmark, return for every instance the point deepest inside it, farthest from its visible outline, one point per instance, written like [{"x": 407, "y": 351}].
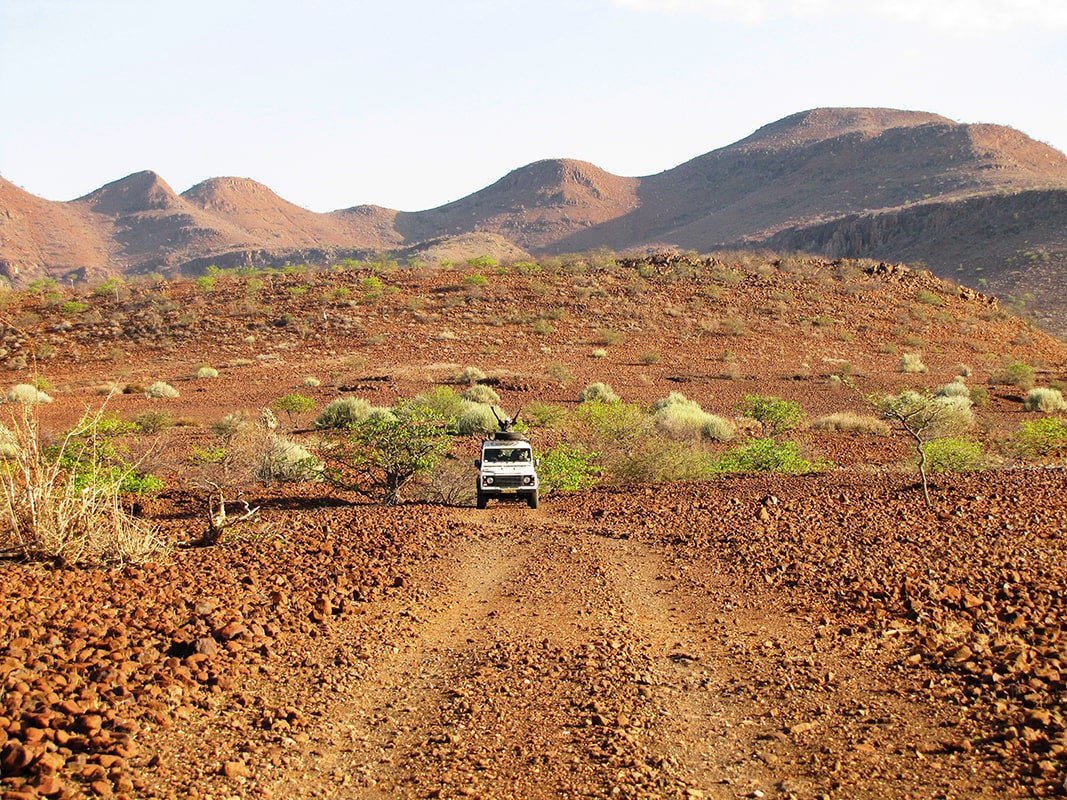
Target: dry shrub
[
  {"x": 50, "y": 511},
  {"x": 850, "y": 422}
]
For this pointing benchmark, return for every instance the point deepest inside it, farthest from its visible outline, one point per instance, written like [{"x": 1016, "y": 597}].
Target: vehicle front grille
[{"x": 507, "y": 481}]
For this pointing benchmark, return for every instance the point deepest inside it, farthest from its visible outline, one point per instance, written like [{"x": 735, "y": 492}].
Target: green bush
[
  {"x": 776, "y": 416},
  {"x": 207, "y": 372},
  {"x": 612, "y": 424},
  {"x": 598, "y": 393},
  {"x": 766, "y": 455},
  {"x": 160, "y": 390},
  {"x": 1042, "y": 437},
  {"x": 543, "y": 415},
  {"x": 153, "y": 421},
  {"x": 1014, "y": 373},
  {"x": 1042, "y": 398},
  {"x": 293, "y": 404},
  {"x": 344, "y": 412},
  {"x": 566, "y": 468},
  {"x": 443, "y": 400},
  {"x": 480, "y": 393},
  {"x": 657, "y": 460},
  {"x": 477, "y": 418},
  {"x": 953, "y": 454},
  {"x": 384, "y": 453}
]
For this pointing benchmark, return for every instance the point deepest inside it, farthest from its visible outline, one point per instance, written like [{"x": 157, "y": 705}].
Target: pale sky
[{"x": 410, "y": 104}]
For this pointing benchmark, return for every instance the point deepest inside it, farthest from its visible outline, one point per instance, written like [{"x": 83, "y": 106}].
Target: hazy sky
[{"x": 413, "y": 103}]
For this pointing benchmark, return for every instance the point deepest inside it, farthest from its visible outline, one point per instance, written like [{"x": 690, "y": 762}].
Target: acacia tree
[
  {"x": 379, "y": 456},
  {"x": 926, "y": 418}
]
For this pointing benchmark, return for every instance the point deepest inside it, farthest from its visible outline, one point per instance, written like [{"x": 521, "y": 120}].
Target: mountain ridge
[{"x": 792, "y": 182}]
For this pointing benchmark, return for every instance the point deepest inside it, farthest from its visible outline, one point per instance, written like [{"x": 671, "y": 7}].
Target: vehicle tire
[
  {"x": 481, "y": 499},
  {"x": 532, "y": 499}
]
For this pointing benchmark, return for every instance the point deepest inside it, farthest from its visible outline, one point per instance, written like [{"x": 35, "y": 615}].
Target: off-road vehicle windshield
[{"x": 507, "y": 455}]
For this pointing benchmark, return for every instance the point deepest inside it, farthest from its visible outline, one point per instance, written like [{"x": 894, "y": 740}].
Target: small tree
[
  {"x": 293, "y": 404},
  {"x": 775, "y": 415},
  {"x": 926, "y": 418},
  {"x": 384, "y": 452}
]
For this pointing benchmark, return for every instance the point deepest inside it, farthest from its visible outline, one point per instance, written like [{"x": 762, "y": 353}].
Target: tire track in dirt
[{"x": 544, "y": 659}]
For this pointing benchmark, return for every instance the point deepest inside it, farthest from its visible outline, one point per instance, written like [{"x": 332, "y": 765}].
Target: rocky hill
[{"x": 981, "y": 204}]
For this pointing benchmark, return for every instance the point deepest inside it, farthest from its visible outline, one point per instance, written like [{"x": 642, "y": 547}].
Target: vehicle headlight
[
  {"x": 487, "y": 480},
  {"x": 527, "y": 479}
]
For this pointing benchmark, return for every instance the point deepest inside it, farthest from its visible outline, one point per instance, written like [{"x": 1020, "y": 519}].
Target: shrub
[
  {"x": 65, "y": 501},
  {"x": 478, "y": 418},
  {"x": 443, "y": 401},
  {"x": 284, "y": 461},
  {"x": 1042, "y": 398},
  {"x": 469, "y": 375},
  {"x": 207, "y": 372},
  {"x": 560, "y": 373},
  {"x": 654, "y": 460},
  {"x": 160, "y": 390},
  {"x": 958, "y": 388},
  {"x": 543, "y": 415},
  {"x": 598, "y": 393},
  {"x": 385, "y": 452},
  {"x": 1014, "y": 373},
  {"x": 9, "y": 447},
  {"x": 1042, "y": 437},
  {"x": 344, "y": 412},
  {"x": 311, "y": 382},
  {"x": 232, "y": 425},
  {"x": 607, "y": 337},
  {"x": 953, "y": 454},
  {"x": 26, "y": 394},
  {"x": 650, "y": 357},
  {"x": 293, "y": 404},
  {"x": 612, "y": 424},
  {"x": 775, "y": 415},
  {"x": 925, "y": 418},
  {"x": 849, "y": 422},
  {"x": 680, "y": 417},
  {"x": 765, "y": 455},
  {"x": 600, "y": 352},
  {"x": 912, "y": 363},
  {"x": 153, "y": 421},
  {"x": 566, "y": 468},
  {"x": 480, "y": 393}
]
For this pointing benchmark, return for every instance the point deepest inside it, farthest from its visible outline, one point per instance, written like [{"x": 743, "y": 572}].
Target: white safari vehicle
[{"x": 506, "y": 470}]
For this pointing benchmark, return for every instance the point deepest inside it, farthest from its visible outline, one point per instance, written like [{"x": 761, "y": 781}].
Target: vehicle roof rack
[{"x": 507, "y": 436}]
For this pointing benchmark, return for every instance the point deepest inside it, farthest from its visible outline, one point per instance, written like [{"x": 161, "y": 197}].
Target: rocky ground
[
  {"x": 806, "y": 637},
  {"x": 749, "y": 636}
]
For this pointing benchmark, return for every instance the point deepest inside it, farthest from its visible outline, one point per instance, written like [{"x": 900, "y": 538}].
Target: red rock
[{"x": 236, "y": 769}]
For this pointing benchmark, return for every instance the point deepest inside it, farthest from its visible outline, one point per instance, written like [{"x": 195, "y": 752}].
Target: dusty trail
[{"x": 540, "y": 659}]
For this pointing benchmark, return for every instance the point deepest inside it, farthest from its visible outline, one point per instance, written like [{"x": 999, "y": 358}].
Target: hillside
[
  {"x": 674, "y": 630},
  {"x": 981, "y": 204}
]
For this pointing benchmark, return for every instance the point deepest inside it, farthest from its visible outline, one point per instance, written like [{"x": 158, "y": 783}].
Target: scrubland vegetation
[{"x": 590, "y": 433}]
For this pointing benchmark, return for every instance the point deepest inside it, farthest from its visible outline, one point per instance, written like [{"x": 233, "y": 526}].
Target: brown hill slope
[{"x": 974, "y": 202}]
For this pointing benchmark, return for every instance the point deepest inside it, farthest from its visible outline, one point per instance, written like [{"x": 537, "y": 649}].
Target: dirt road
[
  {"x": 538, "y": 659},
  {"x": 831, "y": 640}
]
